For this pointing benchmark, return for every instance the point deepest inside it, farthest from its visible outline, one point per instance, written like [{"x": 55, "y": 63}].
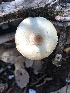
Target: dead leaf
[
  {"x": 21, "y": 77},
  {"x": 9, "y": 55}
]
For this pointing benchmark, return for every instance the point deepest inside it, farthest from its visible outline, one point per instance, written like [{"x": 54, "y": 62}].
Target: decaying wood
[
  {"x": 64, "y": 18},
  {"x": 24, "y": 9},
  {"x": 60, "y": 48},
  {"x": 6, "y": 37},
  {"x": 60, "y": 23},
  {"x": 45, "y": 8}
]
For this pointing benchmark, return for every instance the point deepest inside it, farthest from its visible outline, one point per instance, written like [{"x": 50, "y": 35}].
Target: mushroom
[{"x": 36, "y": 38}]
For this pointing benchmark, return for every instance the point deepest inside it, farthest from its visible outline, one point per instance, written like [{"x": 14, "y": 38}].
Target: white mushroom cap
[{"x": 36, "y": 38}]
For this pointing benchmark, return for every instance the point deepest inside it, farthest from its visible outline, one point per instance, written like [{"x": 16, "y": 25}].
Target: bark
[
  {"x": 46, "y": 8},
  {"x": 62, "y": 41}
]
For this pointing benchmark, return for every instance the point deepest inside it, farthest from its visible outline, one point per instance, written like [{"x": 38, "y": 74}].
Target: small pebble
[
  {"x": 10, "y": 76},
  {"x": 32, "y": 91},
  {"x": 8, "y": 66}
]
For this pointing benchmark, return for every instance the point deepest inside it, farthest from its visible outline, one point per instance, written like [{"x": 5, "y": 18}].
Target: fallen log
[{"x": 23, "y": 9}]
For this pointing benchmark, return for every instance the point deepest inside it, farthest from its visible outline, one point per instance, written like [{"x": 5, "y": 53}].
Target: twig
[
  {"x": 38, "y": 80},
  {"x": 61, "y": 18},
  {"x": 46, "y": 79}
]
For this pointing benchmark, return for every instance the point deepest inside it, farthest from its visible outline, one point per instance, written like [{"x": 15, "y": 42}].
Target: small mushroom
[{"x": 36, "y": 38}]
